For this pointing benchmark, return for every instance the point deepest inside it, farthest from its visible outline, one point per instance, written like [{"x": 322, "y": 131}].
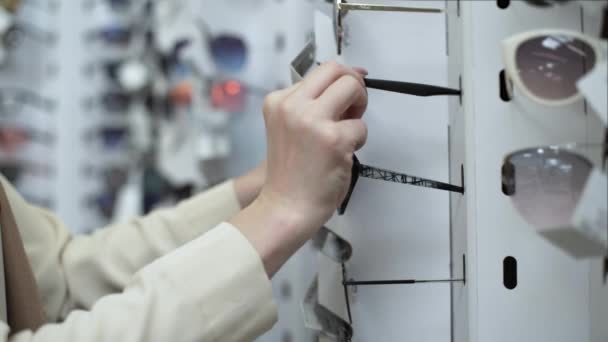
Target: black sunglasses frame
[{"x": 366, "y": 171}]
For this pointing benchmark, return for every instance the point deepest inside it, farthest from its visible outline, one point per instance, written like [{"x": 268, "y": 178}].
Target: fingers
[
  {"x": 322, "y": 77},
  {"x": 361, "y": 71},
  {"x": 354, "y": 134},
  {"x": 275, "y": 98},
  {"x": 346, "y": 98}
]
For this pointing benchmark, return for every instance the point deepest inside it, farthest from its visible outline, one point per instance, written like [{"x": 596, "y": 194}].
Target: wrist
[
  {"x": 248, "y": 186},
  {"x": 275, "y": 229}
]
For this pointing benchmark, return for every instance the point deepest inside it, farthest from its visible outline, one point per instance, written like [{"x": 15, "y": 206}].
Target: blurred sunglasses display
[
  {"x": 15, "y": 30},
  {"x": 116, "y": 102},
  {"x": 13, "y": 100},
  {"x": 228, "y": 95},
  {"x": 131, "y": 75},
  {"x": 229, "y": 52},
  {"x": 13, "y": 138},
  {"x": 545, "y": 183},
  {"x": 114, "y": 34},
  {"x": 14, "y": 169},
  {"x": 111, "y": 137},
  {"x": 341, "y": 8},
  {"x": 545, "y": 65}
]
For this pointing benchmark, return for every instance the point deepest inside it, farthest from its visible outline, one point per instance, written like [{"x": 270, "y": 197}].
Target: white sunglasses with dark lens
[
  {"x": 341, "y": 7},
  {"x": 545, "y": 65}
]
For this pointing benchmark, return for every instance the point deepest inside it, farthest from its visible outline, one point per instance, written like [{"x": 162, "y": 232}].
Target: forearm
[
  {"x": 104, "y": 262},
  {"x": 186, "y": 294},
  {"x": 276, "y": 231}
]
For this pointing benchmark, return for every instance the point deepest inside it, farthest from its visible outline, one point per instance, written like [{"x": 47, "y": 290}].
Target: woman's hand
[{"x": 313, "y": 128}]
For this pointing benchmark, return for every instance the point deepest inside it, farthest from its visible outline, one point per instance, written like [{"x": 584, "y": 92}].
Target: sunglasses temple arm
[
  {"x": 395, "y": 177},
  {"x": 397, "y": 282},
  {"x": 370, "y": 7},
  {"x": 605, "y": 152},
  {"x": 361, "y": 170},
  {"x": 353, "y": 181},
  {"x": 416, "y": 89}
]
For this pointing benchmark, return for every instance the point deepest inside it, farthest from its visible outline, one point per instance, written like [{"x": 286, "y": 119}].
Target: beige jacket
[{"x": 165, "y": 277}]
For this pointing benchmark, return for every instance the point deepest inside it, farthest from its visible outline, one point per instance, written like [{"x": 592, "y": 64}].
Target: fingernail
[{"x": 361, "y": 71}]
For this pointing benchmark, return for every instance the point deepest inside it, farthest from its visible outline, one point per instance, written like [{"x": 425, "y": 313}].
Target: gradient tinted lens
[
  {"x": 545, "y": 184},
  {"x": 550, "y": 65},
  {"x": 229, "y": 52}
]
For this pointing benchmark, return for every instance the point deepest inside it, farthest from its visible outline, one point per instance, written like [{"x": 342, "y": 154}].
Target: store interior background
[{"x": 93, "y": 165}]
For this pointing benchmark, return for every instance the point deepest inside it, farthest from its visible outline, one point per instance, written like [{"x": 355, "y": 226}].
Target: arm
[
  {"x": 74, "y": 271},
  {"x": 194, "y": 294}
]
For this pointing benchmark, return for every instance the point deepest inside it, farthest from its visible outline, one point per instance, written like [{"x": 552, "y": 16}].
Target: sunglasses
[
  {"x": 341, "y": 8},
  {"x": 19, "y": 29},
  {"x": 306, "y": 59},
  {"x": 113, "y": 34},
  {"x": 371, "y": 172},
  {"x": 545, "y": 65},
  {"x": 339, "y": 326},
  {"x": 14, "y": 169},
  {"x": 111, "y": 137},
  {"x": 545, "y": 184},
  {"x": 332, "y": 245},
  {"x": 330, "y": 326},
  {"x": 116, "y": 101},
  {"x": 12, "y": 100},
  {"x": 228, "y": 51}
]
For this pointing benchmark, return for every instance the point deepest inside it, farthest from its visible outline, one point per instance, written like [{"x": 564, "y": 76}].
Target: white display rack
[{"x": 557, "y": 298}]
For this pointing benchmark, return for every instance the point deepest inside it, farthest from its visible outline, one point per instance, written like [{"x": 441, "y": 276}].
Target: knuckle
[
  {"x": 352, "y": 82},
  {"x": 334, "y": 67},
  {"x": 300, "y": 122},
  {"x": 362, "y": 129},
  {"x": 270, "y": 102},
  {"x": 330, "y": 138},
  {"x": 287, "y": 107}
]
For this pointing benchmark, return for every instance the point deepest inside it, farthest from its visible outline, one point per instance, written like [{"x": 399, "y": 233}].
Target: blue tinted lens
[
  {"x": 229, "y": 52},
  {"x": 113, "y": 136},
  {"x": 116, "y": 34}
]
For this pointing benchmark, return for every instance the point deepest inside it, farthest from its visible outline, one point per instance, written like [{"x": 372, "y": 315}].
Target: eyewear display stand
[
  {"x": 393, "y": 279},
  {"x": 520, "y": 285}
]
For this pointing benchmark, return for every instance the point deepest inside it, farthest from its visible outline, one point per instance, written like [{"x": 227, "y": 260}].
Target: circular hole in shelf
[{"x": 503, "y": 4}]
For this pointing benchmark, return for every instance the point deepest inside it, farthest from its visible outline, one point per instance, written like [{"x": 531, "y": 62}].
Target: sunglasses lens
[
  {"x": 549, "y": 66},
  {"x": 229, "y": 52},
  {"x": 546, "y": 184}
]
